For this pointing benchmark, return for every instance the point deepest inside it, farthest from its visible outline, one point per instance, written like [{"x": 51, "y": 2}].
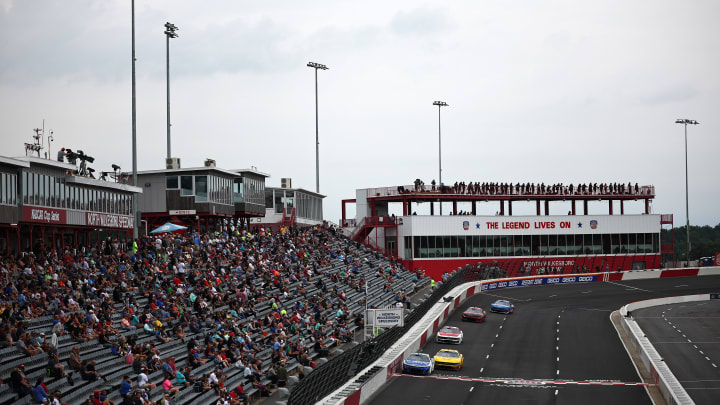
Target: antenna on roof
[{"x": 36, "y": 146}]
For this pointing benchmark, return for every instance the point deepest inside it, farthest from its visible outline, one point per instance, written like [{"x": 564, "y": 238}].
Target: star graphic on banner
[
  {"x": 477, "y": 225},
  {"x": 579, "y": 224}
]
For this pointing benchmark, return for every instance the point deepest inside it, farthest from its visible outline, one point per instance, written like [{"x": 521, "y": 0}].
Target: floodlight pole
[
  {"x": 440, "y": 104},
  {"x": 169, "y": 33},
  {"x": 317, "y": 66},
  {"x": 685, "y": 122},
  {"x": 134, "y": 130}
]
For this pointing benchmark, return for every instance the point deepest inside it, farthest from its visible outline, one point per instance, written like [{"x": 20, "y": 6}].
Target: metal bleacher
[{"x": 113, "y": 368}]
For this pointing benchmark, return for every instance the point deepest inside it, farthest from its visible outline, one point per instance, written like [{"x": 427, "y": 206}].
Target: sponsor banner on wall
[
  {"x": 44, "y": 215},
  {"x": 538, "y": 281},
  {"x": 387, "y": 318},
  {"x": 183, "y": 212},
  {"x": 100, "y": 220}
]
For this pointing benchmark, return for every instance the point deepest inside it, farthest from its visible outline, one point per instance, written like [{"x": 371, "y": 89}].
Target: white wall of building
[{"x": 417, "y": 225}]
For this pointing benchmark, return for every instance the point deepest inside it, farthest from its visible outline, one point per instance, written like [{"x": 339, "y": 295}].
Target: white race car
[{"x": 449, "y": 334}]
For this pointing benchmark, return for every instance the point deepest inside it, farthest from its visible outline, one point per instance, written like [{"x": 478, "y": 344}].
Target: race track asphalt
[
  {"x": 558, "y": 334},
  {"x": 687, "y": 336}
]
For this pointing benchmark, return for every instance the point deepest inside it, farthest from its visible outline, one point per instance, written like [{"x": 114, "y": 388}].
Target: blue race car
[
  {"x": 502, "y": 306},
  {"x": 418, "y": 363}
]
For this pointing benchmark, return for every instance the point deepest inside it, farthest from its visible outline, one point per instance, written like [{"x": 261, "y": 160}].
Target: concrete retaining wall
[{"x": 669, "y": 386}]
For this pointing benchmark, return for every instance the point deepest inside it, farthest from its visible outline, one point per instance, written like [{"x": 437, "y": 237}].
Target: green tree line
[{"x": 704, "y": 241}]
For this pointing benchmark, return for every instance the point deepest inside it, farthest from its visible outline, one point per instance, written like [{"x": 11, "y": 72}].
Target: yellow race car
[{"x": 449, "y": 359}]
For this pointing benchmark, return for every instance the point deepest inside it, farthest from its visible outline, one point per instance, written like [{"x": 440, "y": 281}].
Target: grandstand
[{"x": 263, "y": 300}]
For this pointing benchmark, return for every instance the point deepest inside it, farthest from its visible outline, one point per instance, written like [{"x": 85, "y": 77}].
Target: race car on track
[
  {"x": 502, "y": 306},
  {"x": 474, "y": 314},
  {"x": 449, "y": 334},
  {"x": 418, "y": 363},
  {"x": 448, "y": 358}
]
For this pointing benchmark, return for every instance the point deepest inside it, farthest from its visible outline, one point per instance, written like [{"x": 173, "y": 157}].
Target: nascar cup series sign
[{"x": 387, "y": 318}]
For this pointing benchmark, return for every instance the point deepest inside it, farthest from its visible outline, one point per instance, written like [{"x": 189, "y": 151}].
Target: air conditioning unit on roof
[
  {"x": 172, "y": 163},
  {"x": 285, "y": 182}
]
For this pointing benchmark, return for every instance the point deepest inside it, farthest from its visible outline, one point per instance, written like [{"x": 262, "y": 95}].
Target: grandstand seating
[{"x": 114, "y": 367}]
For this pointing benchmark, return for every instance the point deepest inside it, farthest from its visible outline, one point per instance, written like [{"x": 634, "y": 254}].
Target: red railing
[{"x": 288, "y": 220}]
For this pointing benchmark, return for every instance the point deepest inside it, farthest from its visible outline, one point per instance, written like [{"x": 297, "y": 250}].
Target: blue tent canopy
[{"x": 168, "y": 227}]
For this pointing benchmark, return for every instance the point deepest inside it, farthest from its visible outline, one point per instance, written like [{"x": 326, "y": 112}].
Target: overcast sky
[{"x": 541, "y": 91}]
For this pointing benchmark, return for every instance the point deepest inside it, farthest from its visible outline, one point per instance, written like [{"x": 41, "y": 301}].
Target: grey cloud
[
  {"x": 71, "y": 44},
  {"x": 421, "y": 21},
  {"x": 671, "y": 95},
  {"x": 6, "y": 5},
  {"x": 236, "y": 46},
  {"x": 54, "y": 43}
]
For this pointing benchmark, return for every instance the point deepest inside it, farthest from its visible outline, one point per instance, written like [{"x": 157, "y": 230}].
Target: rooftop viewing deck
[{"x": 518, "y": 191}]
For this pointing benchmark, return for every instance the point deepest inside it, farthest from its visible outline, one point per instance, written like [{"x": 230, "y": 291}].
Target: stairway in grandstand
[{"x": 114, "y": 367}]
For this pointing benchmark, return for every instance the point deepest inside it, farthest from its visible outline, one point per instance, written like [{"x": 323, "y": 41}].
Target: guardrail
[{"x": 669, "y": 386}]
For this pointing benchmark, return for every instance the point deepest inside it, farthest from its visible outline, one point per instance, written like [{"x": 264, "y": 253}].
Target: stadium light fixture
[
  {"x": 686, "y": 122},
  {"x": 170, "y": 32},
  {"x": 317, "y": 66},
  {"x": 440, "y": 105}
]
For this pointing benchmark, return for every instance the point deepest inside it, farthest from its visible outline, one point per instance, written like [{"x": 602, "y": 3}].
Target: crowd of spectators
[
  {"x": 201, "y": 289},
  {"x": 522, "y": 189}
]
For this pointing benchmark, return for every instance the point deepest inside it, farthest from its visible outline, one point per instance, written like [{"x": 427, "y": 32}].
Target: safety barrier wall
[
  {"x": 669, "y": 386},
  {"x": 356, "y": 393}
]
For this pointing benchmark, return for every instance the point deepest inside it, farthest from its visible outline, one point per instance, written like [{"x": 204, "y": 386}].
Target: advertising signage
[
  {"x": 54, "y": 216},
  {"x": 386, "y": 318},
  {"x": 44, "y": 215},
  {"x": 530, "y": 225},
  {"x": 538, "y": 281},
  {"x": 99, "y": 220}
]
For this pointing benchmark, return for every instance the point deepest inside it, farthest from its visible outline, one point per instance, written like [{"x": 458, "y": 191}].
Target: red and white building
[{"x": 529, "y": 243}]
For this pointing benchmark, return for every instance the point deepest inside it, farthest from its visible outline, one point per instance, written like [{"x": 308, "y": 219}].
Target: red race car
[{"x": 474, "y": 314}]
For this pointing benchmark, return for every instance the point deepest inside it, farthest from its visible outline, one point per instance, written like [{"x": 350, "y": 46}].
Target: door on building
[{"x": 390, "y": 245}]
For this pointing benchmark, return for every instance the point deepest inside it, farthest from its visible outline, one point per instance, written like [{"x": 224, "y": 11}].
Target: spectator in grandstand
[
  {"x": 282, "y": 375},
  {"x": 168, "y": 386},
  {"x": 125, "y": 386},
  {"x": 39, "y": 392},
  {"x": 26, "y": 346},
  {"x": 240, "y": 394},
  {"x": 56, "y": 369},
  {"x": 88, "y": 372},
  {"x": 56, "y": 399},
  {"x": 143, "y": 380},
  {"x": 18, "y": 382}
]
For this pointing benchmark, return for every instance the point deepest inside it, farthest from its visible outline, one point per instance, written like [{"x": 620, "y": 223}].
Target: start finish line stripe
[{"x": 511, "y": 381}]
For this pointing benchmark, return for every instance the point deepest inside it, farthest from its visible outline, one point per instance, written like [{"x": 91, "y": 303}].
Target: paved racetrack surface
[
  {"x": 558, "y": 347},
  {"x": 687, "y": 336}
]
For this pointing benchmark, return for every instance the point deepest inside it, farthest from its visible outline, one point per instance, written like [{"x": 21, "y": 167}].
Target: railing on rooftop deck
[{"x": 512, "y": 191}]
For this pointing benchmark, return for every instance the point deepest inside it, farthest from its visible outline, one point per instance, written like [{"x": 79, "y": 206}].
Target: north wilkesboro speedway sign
[
  {"x": 538, "y": 281},
  {"x": 386, "y": 318}
]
